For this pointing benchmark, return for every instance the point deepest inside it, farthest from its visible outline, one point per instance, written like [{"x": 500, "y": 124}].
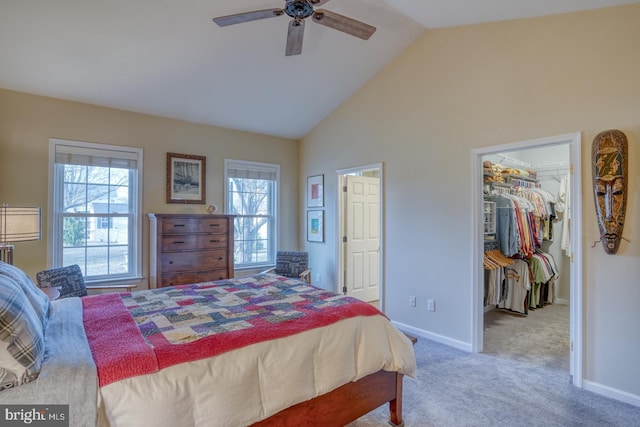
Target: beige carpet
[
  {"x": 540, "y": 338},
  {"x": 454, "y": 388},
  {"x": 522, "y": 379}
]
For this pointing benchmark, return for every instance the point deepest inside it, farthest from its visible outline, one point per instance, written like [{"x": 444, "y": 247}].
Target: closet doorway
[
  {"x": 552, "y": 161},
  {"x": 360, "y": 233}
]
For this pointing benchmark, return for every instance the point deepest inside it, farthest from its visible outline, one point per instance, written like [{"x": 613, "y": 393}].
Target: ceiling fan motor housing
[{"x": 299, "y": 9}]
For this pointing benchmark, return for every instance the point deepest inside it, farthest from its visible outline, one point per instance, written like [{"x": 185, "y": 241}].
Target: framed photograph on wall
[
  {"x": 186, "y": 178},
  {"x": 315, "y": 226},
  {"x": 315, "y": 191}
]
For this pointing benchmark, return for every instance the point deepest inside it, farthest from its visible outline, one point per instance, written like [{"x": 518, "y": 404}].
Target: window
[
  {"x": 96, "y": 204},
  {"x": 251, "y": 191}
]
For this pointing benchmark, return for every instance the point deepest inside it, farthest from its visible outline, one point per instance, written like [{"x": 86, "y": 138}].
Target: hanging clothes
[
  {"x": 524, "y": 215},
  {"x": 517, "y": 282},
  {"x": 506, "y": 228},
  {"x": 514, "y": 225},
  {"x": 494, "y": 265},
  {"x": 543, "y": 273}
]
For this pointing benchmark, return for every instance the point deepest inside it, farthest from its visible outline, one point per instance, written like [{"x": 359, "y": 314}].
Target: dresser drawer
[
  {"x": 213, "y": 225},
  {"x": 192, "y": 242},
  {"x": 173, "y": 243},
  {"x": 212, "y": 241},
  {"x": 189, "y": 278},
  {"x": 194, "y": 261},
  {"x": 180, "y": 225}
]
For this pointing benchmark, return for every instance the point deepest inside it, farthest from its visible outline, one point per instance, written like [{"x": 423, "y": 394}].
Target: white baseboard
[
  {"x": 561, "y": 301},
  {"x": 434, "y": 337},
  {"x": 613, "y": 393}
]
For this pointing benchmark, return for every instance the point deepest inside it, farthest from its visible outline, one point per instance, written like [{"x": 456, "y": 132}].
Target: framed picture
[
  {"x": 315, "y": 226},
  {"x": 315, "y": 191},
  {"x": 186, "y": 178}
]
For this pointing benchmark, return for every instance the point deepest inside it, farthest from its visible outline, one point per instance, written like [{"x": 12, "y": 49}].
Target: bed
[{"x": 255, "y": 350}]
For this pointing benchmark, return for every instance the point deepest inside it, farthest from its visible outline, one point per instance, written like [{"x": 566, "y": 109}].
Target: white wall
[{"x": 457, "y": 89}]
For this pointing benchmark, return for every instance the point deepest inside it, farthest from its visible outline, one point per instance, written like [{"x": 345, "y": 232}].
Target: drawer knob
[
  {"x": 220, "y": 258},
  {"x": 214, "y": 225},
  {"x": 178, "y": 225},
  {"x": 170, "y": 262},
  {"x": 179, "y": 243},
  {"x": 214, "y": 241}
]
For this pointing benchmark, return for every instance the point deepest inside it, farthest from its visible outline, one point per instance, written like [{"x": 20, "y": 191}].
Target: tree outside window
[{"x": 251, "y": 196}]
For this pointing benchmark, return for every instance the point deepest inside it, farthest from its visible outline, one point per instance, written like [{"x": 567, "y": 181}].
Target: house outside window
[
  {"x": 252, "y": 195},
  {"x": 96, "y": 200},
  {"x": 104, "y": 223}
]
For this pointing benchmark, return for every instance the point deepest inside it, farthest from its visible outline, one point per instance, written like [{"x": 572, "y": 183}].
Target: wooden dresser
[{"x": 189, "y": 248}]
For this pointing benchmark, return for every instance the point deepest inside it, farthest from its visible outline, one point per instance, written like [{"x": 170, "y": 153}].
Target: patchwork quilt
[{"x": 144, "y": 331}]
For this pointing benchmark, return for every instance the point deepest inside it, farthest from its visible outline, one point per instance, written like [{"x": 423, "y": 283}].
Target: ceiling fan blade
[
  {"x": 344, "y": 24},
  {"x": 239, "y": 18},
  {"x": 295, "y": 35}
]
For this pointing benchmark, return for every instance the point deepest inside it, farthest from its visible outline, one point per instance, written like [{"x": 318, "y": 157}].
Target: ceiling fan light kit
[{"x": 299, "y": 10}]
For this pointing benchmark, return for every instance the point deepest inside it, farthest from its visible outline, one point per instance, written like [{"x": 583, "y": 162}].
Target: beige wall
[
  {"x": 462, "y": 88},
  {"x": 27, "y": 122}
]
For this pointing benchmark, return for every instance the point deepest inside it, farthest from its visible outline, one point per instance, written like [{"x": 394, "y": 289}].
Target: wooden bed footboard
[{"x": 346, "y": 403}]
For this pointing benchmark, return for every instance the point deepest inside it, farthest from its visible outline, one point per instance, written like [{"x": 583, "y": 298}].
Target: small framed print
[
  {"x": 186, "y": 178},
  {"x": 315, "y": 191},
  {"x": 315, "y": 226}
]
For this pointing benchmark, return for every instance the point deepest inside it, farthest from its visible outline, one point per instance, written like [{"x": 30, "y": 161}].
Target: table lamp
[{"x": 17, "y": 225}]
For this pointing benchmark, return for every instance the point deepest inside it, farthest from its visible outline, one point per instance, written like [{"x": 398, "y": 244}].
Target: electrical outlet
[
  {"x": 412, "y": 301},
  {"x": 431, "y": 305},
  {"x": 318, "y": 278}
]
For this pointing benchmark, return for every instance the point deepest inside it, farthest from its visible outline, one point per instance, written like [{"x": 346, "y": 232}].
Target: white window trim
[
  {"x": 257, "y": 166},
  {"x": 137, "y": 194}
]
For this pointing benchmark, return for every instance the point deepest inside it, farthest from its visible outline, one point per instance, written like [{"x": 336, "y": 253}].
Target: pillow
[
  {"x": 69, "y": 279},
  {"x": 38, "y": 299},
  {"x": 21, "y": 337}
]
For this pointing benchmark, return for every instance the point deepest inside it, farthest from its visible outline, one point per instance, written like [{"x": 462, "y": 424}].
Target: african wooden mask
[{"x": 609, "y": 164}]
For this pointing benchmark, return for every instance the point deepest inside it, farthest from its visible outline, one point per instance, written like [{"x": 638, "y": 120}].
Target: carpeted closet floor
[{"x": 539, "y": 338}]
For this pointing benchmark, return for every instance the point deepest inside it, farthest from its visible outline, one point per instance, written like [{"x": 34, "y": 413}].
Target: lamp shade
[{"x": 19, "y": 224}]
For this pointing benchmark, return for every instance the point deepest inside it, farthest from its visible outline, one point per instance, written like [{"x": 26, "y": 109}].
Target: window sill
[
  {"x": 245, "y": 271},
  {"x": 128, "y": 287},
  {"x": 115, "y": 284}
]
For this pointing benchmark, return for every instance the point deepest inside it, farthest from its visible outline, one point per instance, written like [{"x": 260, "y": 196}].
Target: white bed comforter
[{"x": 243, "y": 386}]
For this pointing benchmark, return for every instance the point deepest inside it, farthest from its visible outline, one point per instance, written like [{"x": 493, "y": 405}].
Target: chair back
[
  {"x": 291, "y": 263},
  {"x": 68, "y": 278}
]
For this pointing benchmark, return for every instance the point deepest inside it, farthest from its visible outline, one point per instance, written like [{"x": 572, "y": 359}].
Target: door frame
[
  {"x": 477, "y": 283},
  {"x": 340, "y": 265}
]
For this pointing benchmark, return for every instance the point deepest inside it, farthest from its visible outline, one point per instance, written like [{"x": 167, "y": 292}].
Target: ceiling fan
[{"x": 299, "y": 10}]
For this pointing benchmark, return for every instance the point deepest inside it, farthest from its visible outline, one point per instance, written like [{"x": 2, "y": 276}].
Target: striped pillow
[
  {"x": 21, "y": 336},
  {"x": 38, "y": 299}
]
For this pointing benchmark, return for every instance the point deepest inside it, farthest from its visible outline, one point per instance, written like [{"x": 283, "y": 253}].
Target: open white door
[{"x": 362, "y": 237}]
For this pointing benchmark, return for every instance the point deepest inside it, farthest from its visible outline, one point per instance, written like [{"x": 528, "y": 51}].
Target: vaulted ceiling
[{"x": 168, "y": 58}]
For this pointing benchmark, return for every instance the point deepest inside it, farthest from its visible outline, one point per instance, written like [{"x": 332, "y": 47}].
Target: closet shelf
[{"x": 524, "y": 178}]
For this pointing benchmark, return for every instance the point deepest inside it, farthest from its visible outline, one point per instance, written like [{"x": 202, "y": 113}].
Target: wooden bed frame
[{"x": 346, "y": 403}]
